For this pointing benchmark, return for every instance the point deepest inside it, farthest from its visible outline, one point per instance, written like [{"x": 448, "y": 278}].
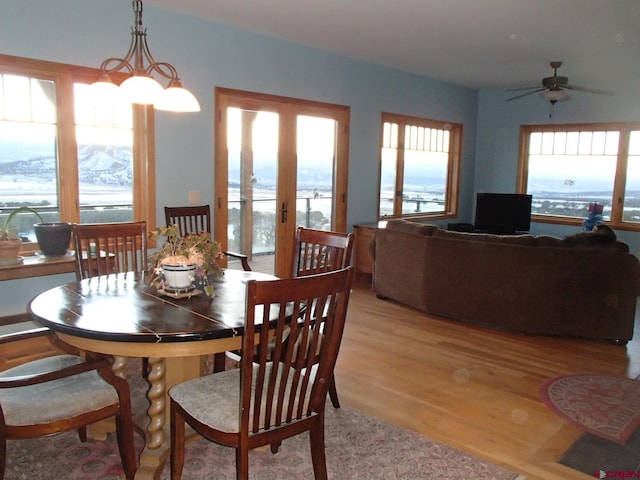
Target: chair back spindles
[
  {"x": 319, "y": 251},
  {"x": 105, "y": 248},
  {"x": 189, "y": 219},
  {"x": 197, "y": 219}
]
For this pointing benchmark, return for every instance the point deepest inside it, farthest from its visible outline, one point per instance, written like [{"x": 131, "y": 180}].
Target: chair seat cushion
[
  {"x": 56, "y": 400},
  {"x": 214, "y": 400}
]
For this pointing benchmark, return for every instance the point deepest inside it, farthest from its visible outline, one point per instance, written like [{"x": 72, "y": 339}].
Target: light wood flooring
[{"x": 469, "y": 387}]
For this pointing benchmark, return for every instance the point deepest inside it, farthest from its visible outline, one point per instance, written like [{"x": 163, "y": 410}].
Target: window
[
  {"x": 567, "y": 167},
  {"x": 419, "y": 167},
  {"x": 67, "y": 156}
]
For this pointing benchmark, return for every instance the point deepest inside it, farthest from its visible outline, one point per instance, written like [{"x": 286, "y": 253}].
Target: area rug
[
  {"x": 358, "y": 447},
  {"x": 596, "y": 456},
  {"x": 606, "y": 406}
]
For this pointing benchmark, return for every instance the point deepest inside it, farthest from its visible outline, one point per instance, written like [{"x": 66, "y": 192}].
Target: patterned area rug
[
  {"x": 358, "y": 447},
  {"x": 606, "y": 406}
]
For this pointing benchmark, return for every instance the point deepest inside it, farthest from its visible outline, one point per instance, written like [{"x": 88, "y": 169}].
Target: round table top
[{"x": 124, "y": 308}]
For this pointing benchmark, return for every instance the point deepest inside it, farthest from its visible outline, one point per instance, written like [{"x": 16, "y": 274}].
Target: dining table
[{"x": 123, "y": 316}]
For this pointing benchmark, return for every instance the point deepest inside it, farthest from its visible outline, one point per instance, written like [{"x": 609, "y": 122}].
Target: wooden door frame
[{"x": 287, "y": 108}]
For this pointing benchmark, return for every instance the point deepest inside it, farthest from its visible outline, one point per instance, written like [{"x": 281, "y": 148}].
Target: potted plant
[
  {"x": 9, "y": 240},
  {"x": 181, "y": 261},
  {"x": 53, "y": 238}
]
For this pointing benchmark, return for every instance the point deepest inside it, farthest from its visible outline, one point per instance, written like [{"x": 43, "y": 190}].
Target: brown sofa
[{"x": 525, "y": 283}]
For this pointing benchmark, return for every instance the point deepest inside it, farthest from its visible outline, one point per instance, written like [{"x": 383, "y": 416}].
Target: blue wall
[{"x": 206, "y": 54}]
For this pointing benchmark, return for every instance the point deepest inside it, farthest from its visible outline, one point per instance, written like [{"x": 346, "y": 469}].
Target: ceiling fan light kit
[{"x": 553, "y": 96}]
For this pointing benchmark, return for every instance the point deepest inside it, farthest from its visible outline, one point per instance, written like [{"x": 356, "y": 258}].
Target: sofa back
[{"x": 526, "y": 283}]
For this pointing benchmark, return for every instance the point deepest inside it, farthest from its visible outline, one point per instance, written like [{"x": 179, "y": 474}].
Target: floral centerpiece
[
  {"x": 594, "y": 216},
  {"x": 195, "y": 253}
]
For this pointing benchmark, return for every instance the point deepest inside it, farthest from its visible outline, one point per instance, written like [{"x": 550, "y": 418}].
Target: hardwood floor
[{"x": 469, "y": 387}]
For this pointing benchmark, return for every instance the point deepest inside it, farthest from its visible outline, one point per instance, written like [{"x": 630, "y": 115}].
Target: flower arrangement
[
  {"x": 594, "y": 216},
  {"x": 193, "y": 249}
]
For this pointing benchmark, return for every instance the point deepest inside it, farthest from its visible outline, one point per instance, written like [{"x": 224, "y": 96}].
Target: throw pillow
[{"x": 601, "y": 236}]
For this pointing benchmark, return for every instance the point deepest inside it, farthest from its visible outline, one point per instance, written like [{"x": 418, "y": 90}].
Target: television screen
[{"x": 503, "y": 213}]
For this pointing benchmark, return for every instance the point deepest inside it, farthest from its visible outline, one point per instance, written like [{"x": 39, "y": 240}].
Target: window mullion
[
  {"x": 620, "y": 177},
  {"x": 453, "y": 177},
  {"x": 67, "y": 152},
  {"x": 398, "y": 193},
  {"x": 144, "y": 193}
]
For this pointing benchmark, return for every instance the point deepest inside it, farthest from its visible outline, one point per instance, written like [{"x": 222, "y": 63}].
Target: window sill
[{"x": 36, "y": 266}]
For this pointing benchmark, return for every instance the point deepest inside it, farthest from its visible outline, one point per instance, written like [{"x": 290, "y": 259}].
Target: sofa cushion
[
  {"x": 474, "y": 237},
  {"x": 527, "y": 240},
  {"x": 549, "y": 241},
  {"x": 406, "y": 226}
]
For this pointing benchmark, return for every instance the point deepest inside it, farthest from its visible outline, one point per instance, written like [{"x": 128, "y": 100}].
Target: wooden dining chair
[
  {"x": 64, "y": 392},
  {"x": 197, "y": 219},
  {"x": 265, "y": 401},
  {"x": 104, "y": 248},
  {"x": 318, "y": 251}
]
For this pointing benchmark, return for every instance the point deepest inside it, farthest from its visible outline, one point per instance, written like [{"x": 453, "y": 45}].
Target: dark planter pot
[{"x": 53, "y": 238}]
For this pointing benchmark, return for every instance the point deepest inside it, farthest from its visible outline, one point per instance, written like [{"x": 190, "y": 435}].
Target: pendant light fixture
[{"x": 141, "y": 87}]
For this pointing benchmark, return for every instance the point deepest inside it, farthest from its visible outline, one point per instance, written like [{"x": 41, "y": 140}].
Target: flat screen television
[{"x": 503, "y": 213}]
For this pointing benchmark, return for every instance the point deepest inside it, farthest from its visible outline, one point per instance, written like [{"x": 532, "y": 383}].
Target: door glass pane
[
  {"x": 252, "y": 141},
  {"x": 104, "y": 135},
  {"x": 316, "y": 152},
  {"x": 28, "y": 154}
]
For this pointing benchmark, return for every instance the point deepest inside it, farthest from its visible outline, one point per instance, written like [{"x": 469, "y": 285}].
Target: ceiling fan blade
[
  {"x": 522, "y": 88},
  {"x": 588, "y": 90},
  {"x": 525, "y": 94}
]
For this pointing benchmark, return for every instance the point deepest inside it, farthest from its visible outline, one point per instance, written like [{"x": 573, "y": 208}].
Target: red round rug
[{"x": 604, "y": 405}]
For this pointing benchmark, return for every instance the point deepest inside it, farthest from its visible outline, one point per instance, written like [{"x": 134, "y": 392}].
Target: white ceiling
[{"x": 475, "y": 43}]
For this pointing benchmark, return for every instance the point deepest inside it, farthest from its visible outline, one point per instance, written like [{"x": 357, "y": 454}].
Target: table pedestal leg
[{"x": 164, "y": 374}]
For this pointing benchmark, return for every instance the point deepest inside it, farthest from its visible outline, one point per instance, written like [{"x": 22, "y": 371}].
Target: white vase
[{"x": 179, "y": 277}]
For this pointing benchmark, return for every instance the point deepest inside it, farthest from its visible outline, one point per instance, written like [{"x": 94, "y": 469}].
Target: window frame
[
  {"x": 454, "y": 162},
  {"x": 64, "y": 76},
  {"x": 619, "y": 182}
]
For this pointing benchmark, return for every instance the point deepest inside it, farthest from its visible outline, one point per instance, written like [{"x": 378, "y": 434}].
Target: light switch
[{"x": 194, "y": 196}]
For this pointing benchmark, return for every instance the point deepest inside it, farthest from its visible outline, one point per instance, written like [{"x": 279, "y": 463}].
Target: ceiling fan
[{"x": 554, "y": 88}]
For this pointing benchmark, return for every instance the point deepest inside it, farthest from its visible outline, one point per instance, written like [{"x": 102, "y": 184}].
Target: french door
[{"x": 279, "y": 163}]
